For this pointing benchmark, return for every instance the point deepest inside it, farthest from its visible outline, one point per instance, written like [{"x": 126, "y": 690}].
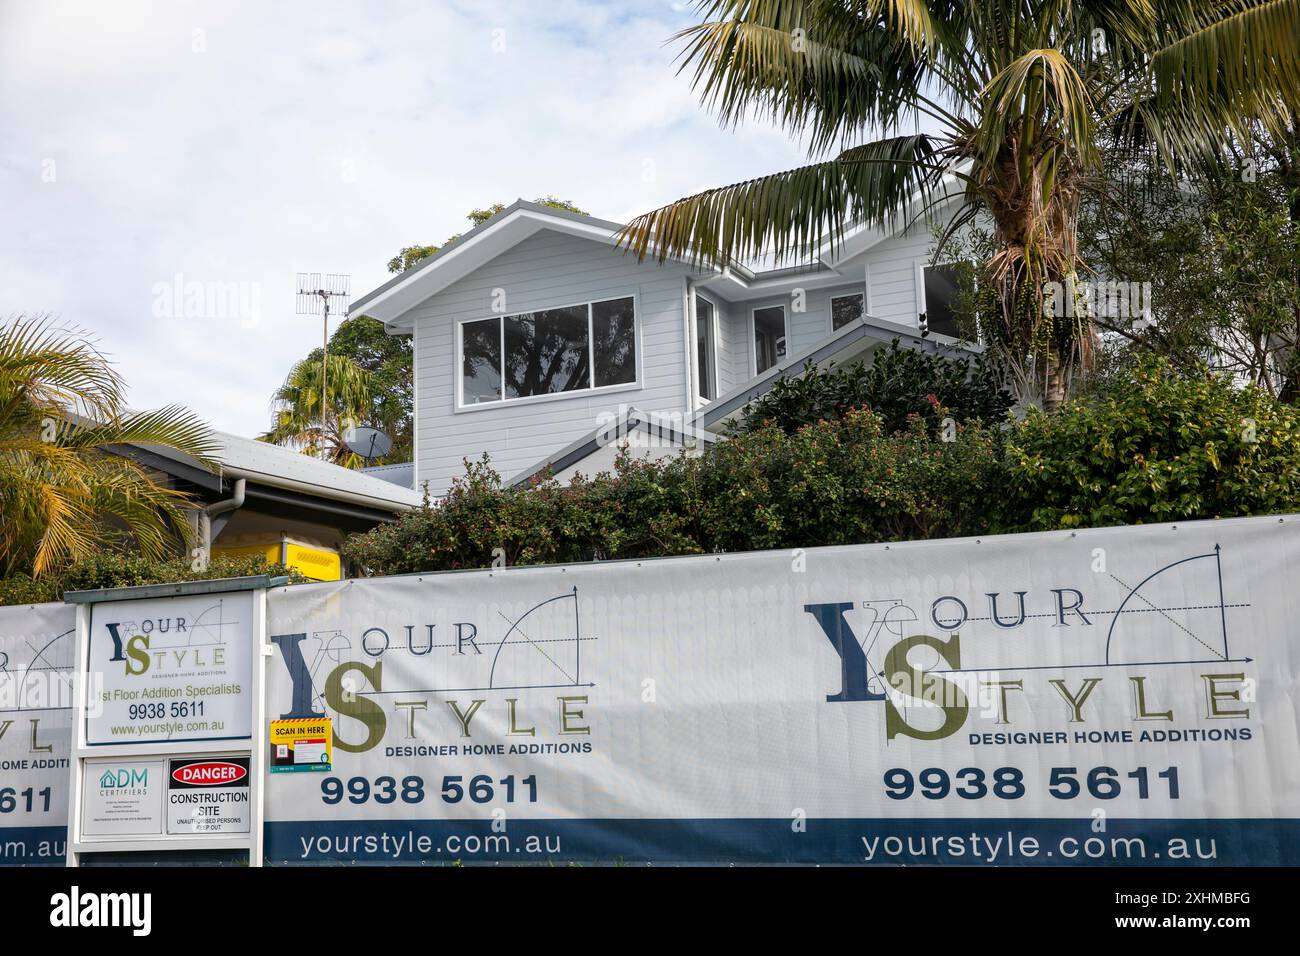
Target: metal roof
[
  {"x": 291, "y": 470},
  {"x": 401, "y": 474}
]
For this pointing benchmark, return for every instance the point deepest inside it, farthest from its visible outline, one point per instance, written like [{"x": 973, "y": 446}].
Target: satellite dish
[{"x": 369, "y": 443}]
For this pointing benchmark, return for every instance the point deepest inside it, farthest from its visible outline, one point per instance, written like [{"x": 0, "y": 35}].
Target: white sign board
[
  {"x": 122, "y": 798},
  {"x": 171, "y": 669},
  {"x": 208, "y": 795},
  {"x": 1117, "y": 696}
]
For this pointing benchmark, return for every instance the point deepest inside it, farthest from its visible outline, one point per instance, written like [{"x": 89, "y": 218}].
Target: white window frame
[
  {"x": 919, "y": 280},
  {"x": 753, "y": 335},
  {"x": 458, "y": 365},
  {"x": 830, "y": 308},
  {"x": 699, "y": 399}
]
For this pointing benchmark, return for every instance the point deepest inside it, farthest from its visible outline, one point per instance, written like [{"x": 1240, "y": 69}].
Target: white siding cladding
[
  {"x": 809, "y": 327},
  {"x": 892, "y": 265},
  {"x": 546, "y": 270},
  {"x": 804, "y": 329}
]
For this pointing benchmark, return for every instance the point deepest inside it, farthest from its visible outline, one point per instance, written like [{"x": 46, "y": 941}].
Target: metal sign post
[{"x": 169, "y": 731}]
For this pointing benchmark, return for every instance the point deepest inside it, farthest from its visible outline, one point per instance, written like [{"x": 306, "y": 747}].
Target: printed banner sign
[
  {"x": 1124, "y": 696},
  {"x": 301, "y": 745},
  {"x": 1117, "y": 696},
  {"x": 208, "y": 795},
  {"x": 37, "y": 650},
  {"x": 171, "y": 669}
]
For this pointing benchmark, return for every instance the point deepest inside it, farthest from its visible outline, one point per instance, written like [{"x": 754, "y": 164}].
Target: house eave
[{"x": 393, "y": 301}]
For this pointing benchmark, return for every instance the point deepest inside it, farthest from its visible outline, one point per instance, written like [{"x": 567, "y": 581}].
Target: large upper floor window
[
  {"x": 548, "y": 352},
  {"x": 706, "y": 363}
]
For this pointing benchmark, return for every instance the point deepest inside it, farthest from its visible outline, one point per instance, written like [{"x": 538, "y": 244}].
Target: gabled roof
[{"x": 391, "y": 301}]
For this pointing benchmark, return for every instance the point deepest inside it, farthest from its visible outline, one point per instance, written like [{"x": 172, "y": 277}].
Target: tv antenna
[{"x": 315, "y": 297}]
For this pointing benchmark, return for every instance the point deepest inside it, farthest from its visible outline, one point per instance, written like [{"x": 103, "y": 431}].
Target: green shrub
[
  {"x": 899, "y": 384},
  {"x": 834, "y": 482},
  {"x": 110, "y": 570},
  {"x": 1157, "y": 447},
  {"x": 1160, "y": 447}
]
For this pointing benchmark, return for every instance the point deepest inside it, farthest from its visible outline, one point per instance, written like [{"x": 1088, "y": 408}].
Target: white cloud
[{"x": 240, "y": 142}]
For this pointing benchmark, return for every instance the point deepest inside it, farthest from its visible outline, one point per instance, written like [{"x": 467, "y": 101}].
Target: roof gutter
[{"x": 302, "y": 487}]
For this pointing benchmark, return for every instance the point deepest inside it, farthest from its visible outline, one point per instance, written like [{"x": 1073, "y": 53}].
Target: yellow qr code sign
[{"x": 304, "y": 744}]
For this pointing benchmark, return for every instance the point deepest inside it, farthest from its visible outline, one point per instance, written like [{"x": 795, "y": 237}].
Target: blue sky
[{"x": 152, "y": 150}]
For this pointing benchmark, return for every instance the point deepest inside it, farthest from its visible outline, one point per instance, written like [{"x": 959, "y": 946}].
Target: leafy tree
[
  {"x": 1220, "y": 254},
  {"x": 389, "y": 362},
  {"x": 410, "y": 255},
  {"x": 1020, "y": 94},
  {"x": 1165, "y": 446},
  {"x": 64, "y": 494},
  {"x": 350, "y": 394}
]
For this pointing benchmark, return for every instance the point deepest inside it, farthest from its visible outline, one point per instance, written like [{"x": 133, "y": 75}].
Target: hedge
[
  {"x": 111, "y": 570},
  {"x": 1160, "y": 447},
  {"x": 898, "y": 385}
]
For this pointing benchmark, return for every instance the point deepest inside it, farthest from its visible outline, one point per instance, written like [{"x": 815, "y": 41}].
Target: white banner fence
[{"x": 1112, "y": 696}]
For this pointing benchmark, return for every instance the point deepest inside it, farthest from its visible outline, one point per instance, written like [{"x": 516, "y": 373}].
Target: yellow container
[{"x": 319, "y": 564}]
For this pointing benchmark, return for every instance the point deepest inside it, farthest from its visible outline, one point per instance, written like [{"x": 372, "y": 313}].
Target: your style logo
[
  {"x": 994, "y": 652},
  {"x": 159, "y": 645}
]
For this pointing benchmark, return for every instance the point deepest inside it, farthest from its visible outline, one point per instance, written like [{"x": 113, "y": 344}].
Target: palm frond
[
  {"x": 1224, "y": 74},
  {"x": 794, "y": 213},
  {"x": 173, "y": 426}
]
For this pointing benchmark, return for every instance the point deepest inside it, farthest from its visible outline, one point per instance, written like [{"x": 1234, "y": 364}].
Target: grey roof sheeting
[
  {"x": 401, "y": 474},
  {"x": 285, "y": 468}
]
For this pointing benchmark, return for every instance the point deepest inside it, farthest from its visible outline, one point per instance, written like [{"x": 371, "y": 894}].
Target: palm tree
[
  {"x": 1019, "y": 93},
  {"x": 63, "y": 494},
  {"x": 350, "y": 395}
]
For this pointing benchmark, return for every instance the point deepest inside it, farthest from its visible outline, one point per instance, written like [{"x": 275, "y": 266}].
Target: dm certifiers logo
[{"x": 124, "y": 780}]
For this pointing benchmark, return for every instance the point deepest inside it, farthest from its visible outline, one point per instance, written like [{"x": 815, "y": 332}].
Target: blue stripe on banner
[
  {"x": 1030, "y": 842},
  {"x": 33, "y": 846}
]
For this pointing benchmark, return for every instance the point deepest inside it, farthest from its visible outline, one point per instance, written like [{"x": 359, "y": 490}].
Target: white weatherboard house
[{"x": 535, "y": 331}]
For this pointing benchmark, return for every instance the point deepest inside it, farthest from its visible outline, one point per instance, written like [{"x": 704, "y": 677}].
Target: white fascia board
[
  {"x": 735, "y": 288},
  {"x": 392, "y": 305}
]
